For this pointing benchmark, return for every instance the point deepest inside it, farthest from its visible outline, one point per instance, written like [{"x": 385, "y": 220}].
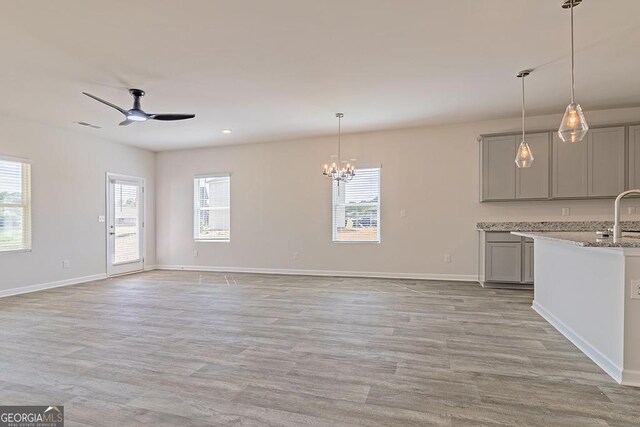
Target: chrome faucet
[{"x": 617, "y": 230}]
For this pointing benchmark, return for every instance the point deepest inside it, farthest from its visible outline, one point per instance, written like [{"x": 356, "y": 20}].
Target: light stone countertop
[
  {"x": 558, "y": 226},
  {"x": 587, "y": 239}
]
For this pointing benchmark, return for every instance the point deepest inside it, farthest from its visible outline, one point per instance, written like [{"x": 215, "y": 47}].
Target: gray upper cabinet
[
  {"x": 593, "y": 168},
  {"x": 498, "y": 168},
  {"x": 533, "y": 182},
  {"x": 503, "y": 180},
  {"x": 606, "y": 169},
  {"x": 570, "y": 174},
  {"x": 634, "y": 157}
]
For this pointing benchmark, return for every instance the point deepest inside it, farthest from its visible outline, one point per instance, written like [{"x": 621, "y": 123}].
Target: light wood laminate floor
[{"x": 188, "y": 348}]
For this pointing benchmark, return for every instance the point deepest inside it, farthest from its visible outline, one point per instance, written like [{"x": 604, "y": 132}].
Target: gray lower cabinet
[
  {"x": 527, "y": 256},
  {"x": 503, "y": 180},
  {"x": 634, "y": 157},
  {"x": 505, "y": 260}
]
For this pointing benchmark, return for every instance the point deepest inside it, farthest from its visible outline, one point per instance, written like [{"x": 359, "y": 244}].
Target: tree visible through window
[
  {"x": 356, "y": 207},
  {"x": 15, "y": 205},
  {"x": 212, "y": 205}
]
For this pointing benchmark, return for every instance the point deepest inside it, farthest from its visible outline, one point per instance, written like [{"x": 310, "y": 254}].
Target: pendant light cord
[
  {"x": 523, "y": 77},
  {"x": 573, "y": 73},
  {"x": 339, "y": 138}
]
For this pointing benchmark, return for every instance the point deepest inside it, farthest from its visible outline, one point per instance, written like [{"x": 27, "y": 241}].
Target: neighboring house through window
[
  {"x": 212, "y": 208},
  {"x": 356, "y": 207}
]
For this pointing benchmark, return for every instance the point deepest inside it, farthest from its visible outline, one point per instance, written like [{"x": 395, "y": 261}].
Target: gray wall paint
[
  {"x": 68, "y": 190},
  {"x": 281, "y": 204}
]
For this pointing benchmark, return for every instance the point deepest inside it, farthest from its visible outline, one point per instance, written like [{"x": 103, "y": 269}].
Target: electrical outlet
[
  {"x": 195, "y": 253},
  {"x": 566, "y": 211},
  {"x": 296, "y": 255},
  {"x": 66, "y": 264},
  {"x": 101, "y": 218},
  {"x": 446, "y": 258},
  {"x": 403, "y": 213},
  {"x": 635, "y": 289}
]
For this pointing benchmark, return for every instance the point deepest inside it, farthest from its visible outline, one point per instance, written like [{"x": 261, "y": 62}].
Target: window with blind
[
  {"x": 356, "y": 207},
  {"x": 212, "y": 208},
  {"x": 15, "y": 205}
]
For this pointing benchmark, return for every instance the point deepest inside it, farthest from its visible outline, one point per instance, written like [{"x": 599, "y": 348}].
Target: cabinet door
[
  {"x": 569, "y": 168},
  {"x": 533, "y": 182},
  {"x": 634, "y": 157},
  {"x": 528, "y": 263},
  {"x": 606, "y": 161},
  {"x": 499, "y": 168},
  {"x": 504, "y": 262}
]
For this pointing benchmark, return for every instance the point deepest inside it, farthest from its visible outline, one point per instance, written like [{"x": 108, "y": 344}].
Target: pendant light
[
  {"x": 574, "y": 126},
  {"x": 337, "y": 169},
  {"x": 524, "y": 156}
]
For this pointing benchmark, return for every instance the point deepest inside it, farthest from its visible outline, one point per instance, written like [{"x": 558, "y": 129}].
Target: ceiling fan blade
[
  {"x": 126, "y": 122},
  {"x": 170, "y": 117},
  {"x": 106, "y": 103}
]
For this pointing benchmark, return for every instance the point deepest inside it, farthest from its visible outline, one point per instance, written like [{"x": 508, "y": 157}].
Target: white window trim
[
  {"x": 27, "y": 216},
  {"x": 197, "y": 208},
  {"x": 379, "y": 204}
]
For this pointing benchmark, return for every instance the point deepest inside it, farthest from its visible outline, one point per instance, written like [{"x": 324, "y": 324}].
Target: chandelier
[{"x": 337, "y": 169}]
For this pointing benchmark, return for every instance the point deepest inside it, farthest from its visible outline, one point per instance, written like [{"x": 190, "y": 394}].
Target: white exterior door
[{"x": 125, "y": 224}]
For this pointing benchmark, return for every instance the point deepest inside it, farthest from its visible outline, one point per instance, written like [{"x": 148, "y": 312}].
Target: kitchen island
[{"x": 589, "y": 290}]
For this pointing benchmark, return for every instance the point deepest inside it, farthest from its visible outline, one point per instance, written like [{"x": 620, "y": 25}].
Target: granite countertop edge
[
  {"x": 584, "y": 239},
  {"x": 554, "y": 226}
]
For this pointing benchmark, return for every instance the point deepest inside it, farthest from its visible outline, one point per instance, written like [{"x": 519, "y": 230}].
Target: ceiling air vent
[{"x": 89, "y": 125}]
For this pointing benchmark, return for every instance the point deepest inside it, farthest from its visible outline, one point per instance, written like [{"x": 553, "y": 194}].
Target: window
[
  {"x": 356, "y": 208},
  {"x": 15, "y": 205},
  {"x": 212, "y": 207}
]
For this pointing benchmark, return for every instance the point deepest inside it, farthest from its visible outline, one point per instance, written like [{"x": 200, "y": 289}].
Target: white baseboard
[
  {"x": 50, "y": 285},
  {"x": 631, "y": 378},
  {"x": 380, "y": 275},
  {"x": 600, "y": 359},
  {"x": 149, "y": 267}
]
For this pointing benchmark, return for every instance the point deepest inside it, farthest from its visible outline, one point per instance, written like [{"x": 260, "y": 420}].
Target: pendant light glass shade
[
  {"x": 524, "y": 156},
  {"x": 574, "y": 126}
]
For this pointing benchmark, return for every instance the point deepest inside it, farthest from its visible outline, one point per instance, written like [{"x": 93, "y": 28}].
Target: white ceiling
[{"x": 281, "y": 68}]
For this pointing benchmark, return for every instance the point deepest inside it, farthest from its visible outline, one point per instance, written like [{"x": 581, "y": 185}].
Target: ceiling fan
[{"x": 136, "y": 114}]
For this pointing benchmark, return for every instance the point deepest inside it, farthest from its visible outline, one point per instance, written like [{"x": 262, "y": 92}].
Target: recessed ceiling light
[{"x": 227, "y": 131}]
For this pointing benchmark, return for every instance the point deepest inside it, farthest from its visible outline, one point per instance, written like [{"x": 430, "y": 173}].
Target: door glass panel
[{"x": 127, "y": 223}]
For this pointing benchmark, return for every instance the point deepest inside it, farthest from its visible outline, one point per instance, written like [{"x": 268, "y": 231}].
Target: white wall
[
  {"x": 68, "y": 191},
  {"x": 281, "y": 204}
]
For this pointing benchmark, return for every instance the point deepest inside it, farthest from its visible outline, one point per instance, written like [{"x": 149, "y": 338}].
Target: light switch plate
[
  {"x": 66, "y": 263},
  {"x": 403, "y": 213}
]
